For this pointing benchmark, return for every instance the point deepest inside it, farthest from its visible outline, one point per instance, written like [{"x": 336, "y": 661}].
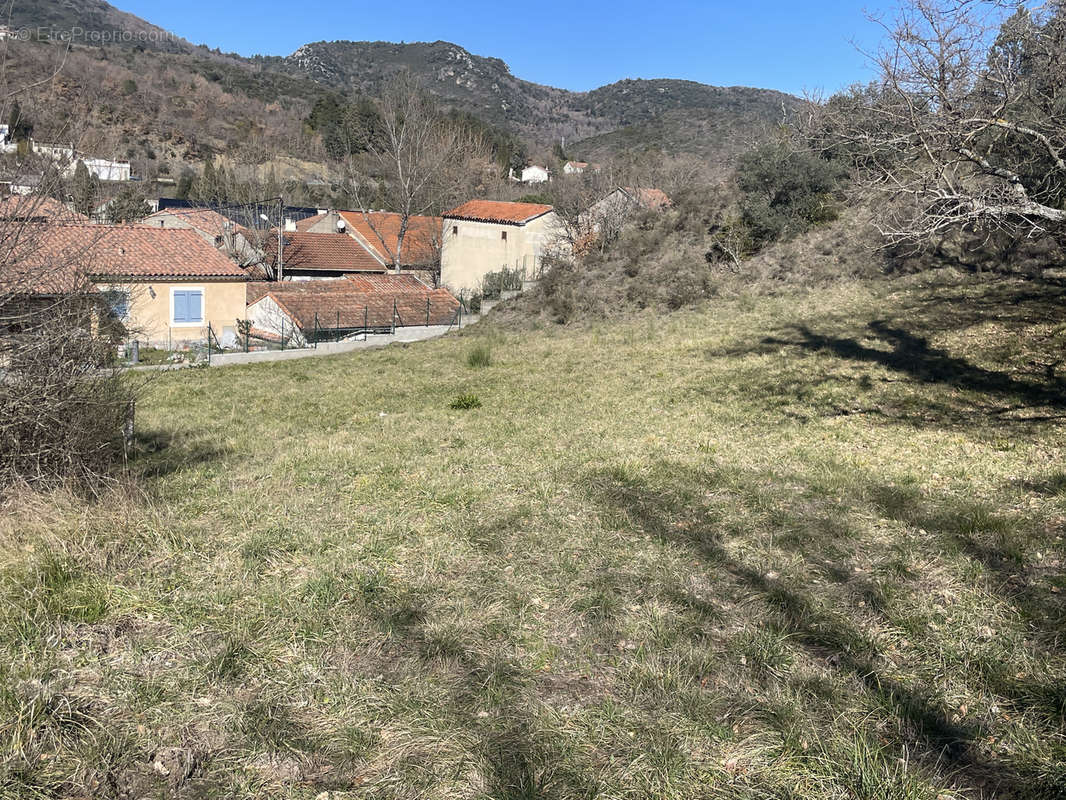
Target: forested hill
[{"x": 161, "y": 92}]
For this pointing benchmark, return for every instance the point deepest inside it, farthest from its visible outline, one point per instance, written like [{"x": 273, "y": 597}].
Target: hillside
[
  {"x": 82, "y": 19},
  {"x": 793, "y": 546},
  {"x": 671, "y": 116},
  {"x": 674, "y": 116}
]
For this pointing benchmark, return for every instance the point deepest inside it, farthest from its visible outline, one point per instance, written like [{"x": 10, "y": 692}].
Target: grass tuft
[
  {"x": 479, "y": 356},
  {"x": 465, "y": 402}
]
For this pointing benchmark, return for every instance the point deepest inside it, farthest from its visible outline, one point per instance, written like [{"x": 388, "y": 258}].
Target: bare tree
[
  {"x": 62, "y": 404},
  {"x": 416, "y": 163},
  {"x": 966, "y": 125}
]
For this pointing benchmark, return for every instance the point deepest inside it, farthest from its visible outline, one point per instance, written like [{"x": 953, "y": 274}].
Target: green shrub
[
  {"x": 480, "y": 356},
  {"x": 464, "y": 402},
  {"x": 474, "y": 304},
  {"x": 505, "y": 280}
]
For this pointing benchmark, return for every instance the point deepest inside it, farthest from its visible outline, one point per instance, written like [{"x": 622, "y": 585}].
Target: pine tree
[
  {"x": 128, "y": 205},
  {"x": 206, "y": 189},
  {"x": 84, "y": 189},
  {"x": 19, "y": 127}
]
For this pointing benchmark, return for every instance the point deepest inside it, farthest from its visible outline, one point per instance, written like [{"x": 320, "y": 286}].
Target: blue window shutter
[
  {"x": 196, "y": 306},
  {"x": 181, "y": 306}
]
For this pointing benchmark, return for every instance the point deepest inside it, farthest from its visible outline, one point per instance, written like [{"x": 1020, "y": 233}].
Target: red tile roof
[
  {"x": 72, "y": 254},
  {"x": 381, "y": 231},
  {"x": 652, "y": 199},
  {"x": 308, "y": 222},
  {"x": 323, "y": 252},
  {"x": 346, "y": 302},
  {"x": 206, "y": 220},
  {"x": 35, "y": 208},
  {"x": 498, "y": 211}
]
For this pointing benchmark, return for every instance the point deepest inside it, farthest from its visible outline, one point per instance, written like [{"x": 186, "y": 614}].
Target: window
[
  {"x": 503, "y": 235},
  {"x": 455, "y": 230},
  {"x": 118, "y": 304},
  {"x": 187, "y": 306}
]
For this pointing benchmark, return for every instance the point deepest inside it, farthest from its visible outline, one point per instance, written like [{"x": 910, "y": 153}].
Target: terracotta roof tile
[
  {"x": 304, "y": 224},
  {"x": 498, "y": 211},
  {"x": 652, "y": 199},
  {"x": 80, "y": 252},
  {"x": 35, "y": 208},
  {"x": 206, "y": 220},
  {"x": 346, "y": 302},
  {"x": 421, "y": 243},
  {"x": 325, "y": 252}
]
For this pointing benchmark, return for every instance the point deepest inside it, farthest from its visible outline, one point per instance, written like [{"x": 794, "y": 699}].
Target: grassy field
[{"x": 797, "y": 547}]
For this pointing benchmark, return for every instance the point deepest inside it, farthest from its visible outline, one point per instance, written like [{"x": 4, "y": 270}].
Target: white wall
[{"x": 479, "y": 248}]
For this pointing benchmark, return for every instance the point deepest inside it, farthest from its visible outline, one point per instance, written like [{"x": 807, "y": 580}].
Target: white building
[
  {"x": 532, "y": 174},
  {"x": 6, "y": 145},
  {"x": 106, "y": 170},
  {"x": 483, "y": 236},
  {"x": 575, "y": 167}
]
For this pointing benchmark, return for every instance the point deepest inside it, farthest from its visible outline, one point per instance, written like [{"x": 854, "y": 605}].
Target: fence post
[
  {"x": 427, "y": 312},
  {"x": 283, "y": 334},
  {"x": 209, "y": 344},
  {"x": 460, "y": 325},
  {"x": 247, "y": 333},
  {"x": 394, "y": 316},
  {"x": 316, "y": 330},
  {"x": 366, "y": 320},
  {"x": 128, "y": 427}
]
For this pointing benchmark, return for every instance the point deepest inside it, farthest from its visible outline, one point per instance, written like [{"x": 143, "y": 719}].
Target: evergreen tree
[
  {"x": 206, "y": 190},
  {"x": 186, "y": 184},
  {"x": 84, "y": 189},
  {"x": 19, "y": 127},
  {"x": 128, "y": 205}
]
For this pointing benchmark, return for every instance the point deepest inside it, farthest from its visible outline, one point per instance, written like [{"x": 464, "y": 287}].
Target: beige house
[
  {"x": 378, "y": 233},
  {"x": 236, "y": 241},
  {"x": 484, "y": 236},
  {"x": 166, "y": 286}
]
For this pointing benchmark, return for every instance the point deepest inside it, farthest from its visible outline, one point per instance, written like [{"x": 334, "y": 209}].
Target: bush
[
  {"x": 785, "y": 191},
  {"x": 495, "y": 284},
  {"x": 474, "y": 304},
  {"x": 464, "y": 402},
  {"x": 62, "y": 409},
  {"x": 480, "y": 356}
]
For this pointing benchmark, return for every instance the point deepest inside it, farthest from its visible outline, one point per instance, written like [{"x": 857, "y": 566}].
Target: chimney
[{"x": 290, "y": 225}]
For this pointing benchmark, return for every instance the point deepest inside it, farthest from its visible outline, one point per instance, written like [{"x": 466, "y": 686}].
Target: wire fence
[{"x": 324, "y": 326}]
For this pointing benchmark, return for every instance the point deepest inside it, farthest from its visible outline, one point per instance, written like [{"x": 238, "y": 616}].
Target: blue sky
[{"x": 776, "y": 44}]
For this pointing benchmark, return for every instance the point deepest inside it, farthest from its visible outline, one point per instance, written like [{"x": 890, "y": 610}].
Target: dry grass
[{"x": 780, "y": 547}]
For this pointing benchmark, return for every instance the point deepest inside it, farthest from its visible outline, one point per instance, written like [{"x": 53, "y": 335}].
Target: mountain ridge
[{"x": 671, "y": 116}]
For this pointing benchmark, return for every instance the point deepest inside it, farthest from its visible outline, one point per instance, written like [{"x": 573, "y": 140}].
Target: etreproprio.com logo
[{"x": 90, "y": 35}]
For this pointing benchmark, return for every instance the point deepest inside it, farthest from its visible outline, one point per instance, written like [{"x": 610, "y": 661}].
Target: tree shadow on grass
[
  {"x": 158, "y": 453},
  {"x": 1024, "y": 386},
  {"x": 489, "y": 694},
  {"x": 672, "y": 505},
  {"x": 913, "y": 355},
  {"x": 999, "y": 544}
]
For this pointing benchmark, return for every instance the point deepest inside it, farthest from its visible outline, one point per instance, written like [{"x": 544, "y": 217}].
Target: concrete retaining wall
[{"x": 412, "y": 334}]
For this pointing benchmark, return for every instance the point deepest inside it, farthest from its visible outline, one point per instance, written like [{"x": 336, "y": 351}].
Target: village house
[
  {"x": 300, "y": 312},
  {"x": 531, "y": 174},
  {"x": 37, "y": 209},
  {"x": 607, "y": 217},
  {"x": 484, "y": 236},
  {"x": 166, "y": 286},
  {"x": 315, "y": 256},
  {"x": 239, "y": 243},
  {"x": 378, "y": 232},
  {"x": 575, "y": 167}
]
